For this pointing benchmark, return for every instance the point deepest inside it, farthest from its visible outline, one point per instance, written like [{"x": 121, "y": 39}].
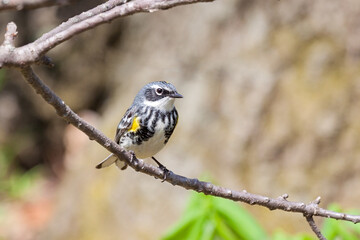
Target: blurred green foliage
[
  {"x": 13, "y": 181},
  {"x": 208, "y": 217},
  {"x": 2, "y": 78},
  {"x": 212, "y": 218}
]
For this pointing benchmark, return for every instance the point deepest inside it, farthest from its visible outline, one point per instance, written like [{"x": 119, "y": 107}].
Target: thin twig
[
  {"x": 313, "y": 226},
  {"x": 10, "y": 35}
]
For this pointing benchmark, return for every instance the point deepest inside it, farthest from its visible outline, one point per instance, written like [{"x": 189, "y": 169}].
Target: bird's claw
[
  {"x": 132, "y": 156},
  {"x": 166, "y": 172}
]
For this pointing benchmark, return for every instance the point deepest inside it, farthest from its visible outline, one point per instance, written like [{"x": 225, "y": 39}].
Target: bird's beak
[{"x": 175, "y": 95}]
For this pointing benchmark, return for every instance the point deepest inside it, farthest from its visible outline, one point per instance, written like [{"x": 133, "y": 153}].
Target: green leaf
[
  {"x": 208, "y": 230},
  {"x": 239, "y": 220},
  {"x": 196, "y": 229},
  {"x": 328, "y": 229},
  {"x": 183, "y": 225},
  {"x": 223, "y": 230},
  {"x": 338, "y": 230},
  {"x": 195, "y": 202}
]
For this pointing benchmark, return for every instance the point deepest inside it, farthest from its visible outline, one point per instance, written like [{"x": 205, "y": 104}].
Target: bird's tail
[{"x": 110, "y": 160}]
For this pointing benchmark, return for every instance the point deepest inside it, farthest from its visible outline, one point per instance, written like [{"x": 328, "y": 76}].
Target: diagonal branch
[
  {"x": 280, "y": 203},
  {"x": 313, "y": 226}
]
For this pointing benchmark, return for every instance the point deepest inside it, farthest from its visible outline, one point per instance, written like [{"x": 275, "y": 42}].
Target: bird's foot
[
  {"x": 133, "y": 160},
  {"x": 132, "y": 156},
  {"x": 166, "y": 172}
]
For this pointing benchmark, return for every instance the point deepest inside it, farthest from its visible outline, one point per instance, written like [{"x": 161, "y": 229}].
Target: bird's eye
[{"x": 159, "y": 91}]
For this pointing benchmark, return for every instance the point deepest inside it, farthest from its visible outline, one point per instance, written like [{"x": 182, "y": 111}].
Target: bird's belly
[{"x": 147, "y": 148}]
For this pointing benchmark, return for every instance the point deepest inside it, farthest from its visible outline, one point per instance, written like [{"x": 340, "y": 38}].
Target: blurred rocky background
[{"x": 270, "y": 105}]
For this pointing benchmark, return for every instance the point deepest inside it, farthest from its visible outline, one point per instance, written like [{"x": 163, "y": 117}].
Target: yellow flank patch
[{"x": 135, "y": 124}]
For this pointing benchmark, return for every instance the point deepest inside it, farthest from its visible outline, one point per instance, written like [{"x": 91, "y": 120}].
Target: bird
[{"x": 147, "y": 125}]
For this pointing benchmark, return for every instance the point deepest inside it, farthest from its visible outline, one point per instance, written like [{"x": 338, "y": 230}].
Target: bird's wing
[{"x": 125, "y": 124}]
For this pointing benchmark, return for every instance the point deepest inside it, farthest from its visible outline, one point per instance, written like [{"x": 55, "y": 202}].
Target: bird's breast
[{"x": 155, "y": 130}]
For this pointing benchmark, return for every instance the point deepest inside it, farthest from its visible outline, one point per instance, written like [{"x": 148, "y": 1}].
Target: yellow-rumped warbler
[{"x": 148, "y": 124}]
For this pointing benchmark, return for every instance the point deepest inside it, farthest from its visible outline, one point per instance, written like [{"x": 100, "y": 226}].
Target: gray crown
[{"x": 149, "y": 92}]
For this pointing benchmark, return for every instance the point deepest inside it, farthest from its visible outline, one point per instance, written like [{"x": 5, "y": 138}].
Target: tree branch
[
  {"x": 313, "y": 226},
  {"x": 104, "y": 13},
  {"x": 110, "y": 4},
  {"x": 31, "y": 4}
]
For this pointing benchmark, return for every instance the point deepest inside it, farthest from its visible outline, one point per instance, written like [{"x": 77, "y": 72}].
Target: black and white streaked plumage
[{"x": 148, "y": 124}]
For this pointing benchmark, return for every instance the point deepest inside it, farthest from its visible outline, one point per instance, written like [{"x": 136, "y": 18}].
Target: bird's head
[{"x": 160, "y": 95}]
